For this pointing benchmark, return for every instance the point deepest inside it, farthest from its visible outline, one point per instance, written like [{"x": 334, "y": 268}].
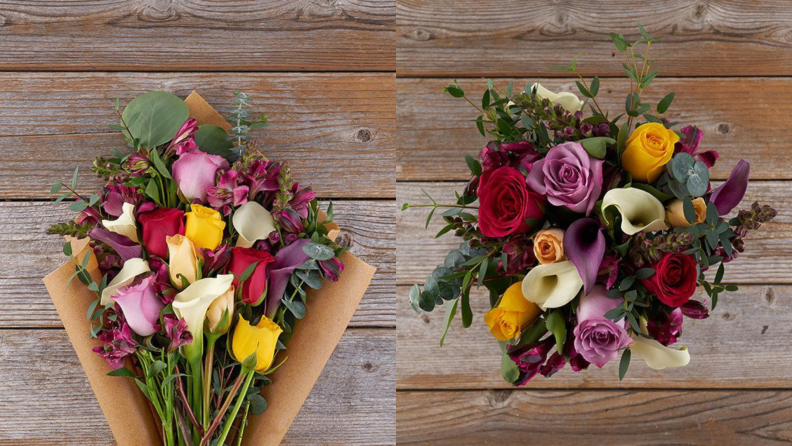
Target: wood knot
[
  {"x": 724, "y": 128},
  {"x": 728, "y": 316},
  {"x": 425, "y": 319},
  {"x": 369, "y": 367},
  {"x": 419, "y": 34},
  {"x": 701, "y": 11},
  {"x": 764, "y": 329},
  {"x": 769, "y": 296},
  {"x": 499, "y": 398},
  {"x": 363, "y": 135}
]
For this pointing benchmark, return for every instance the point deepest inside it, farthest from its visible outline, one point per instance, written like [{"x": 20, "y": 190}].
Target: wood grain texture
[
  {"x": 199, "y": 35},
  {"x": 335, "y": 130},
  {"x": 741, "y": 345},
  {"x": 519, "y": 38},
  {"x": 435, "y": 131},
  {"x": 613, "y": 417},
  {"x": 766, "y": 260},
  {"x": 30, "y": 254},
  {"x": 47, "y": 399}
]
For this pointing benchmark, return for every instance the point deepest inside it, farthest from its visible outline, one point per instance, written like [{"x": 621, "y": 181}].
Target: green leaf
[
  {"x": 152, "y": 191},
  {"x": 429, "y": 217},
  {"x": 451, "y": 310},
  {"x": 597, "y": 146},
  {"x": 557, "y": 325},
  {"x": 583, "y": 90},
  {"x": 621, "y": 140},
  {"x": 78, "y": 206},
  {"x": 143, "y": 387},
  {"x": 318, "y": 251},
  {"x": 296, "y": 307},
  {"x": 123, "y": 371},
  {"x": 482, "y": 272},
  {"x": 158, "y": 116},
  {"x": 454, "y": 90},
  {"x": 594, "y": 87},
  {"x": 248, "y": 272},
  {"x": 156, "y": 368},
  {"x": 509, "y": 369},
  {"x": 467, "y": 313},
  {"x": 698, "y": 181},
  {"x": 475, "y": 166},
  {"x": 682, "y": 166},
  {"x": 644, "y": 273},
  {"x": 213, "y": 139},
  {"x": 161, "y": 168},
  {"x": 719, "y": 274},
  {"x": 644, "y": 34},
  {"x": 624, "y": 364},
  {"x": 664, "y": 103},
  {"x": 258, "y": 405},
  {"x": 56, "y": 188},
  {"x": 415, "y": 297},
  {"x": 690, "y": 211},
  {"x": 74, "y": 178}
]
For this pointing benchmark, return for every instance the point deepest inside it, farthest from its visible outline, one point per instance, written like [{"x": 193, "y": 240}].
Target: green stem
[
  {"x": 244, "y": 423},
  {"x": 240, "y": 398},
  {"x": 195, "y": 386},
  {"x": 207, "y": 378}
]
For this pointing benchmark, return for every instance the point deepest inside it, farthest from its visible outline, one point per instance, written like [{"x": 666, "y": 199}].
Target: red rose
[
  {"x": 157, "y": 225},
  {"x": 674, "y": 280},
  {"x": 255, "y": 287},
  {"x": 505, "y": 202}
]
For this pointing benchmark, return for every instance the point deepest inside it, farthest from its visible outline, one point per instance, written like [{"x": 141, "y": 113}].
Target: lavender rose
[
  {"x": 195, "y": 172},
  {"x": 569, "y": 177},
  {"x": 597, "y": 338},
  {"x": 140, "y": 305}
]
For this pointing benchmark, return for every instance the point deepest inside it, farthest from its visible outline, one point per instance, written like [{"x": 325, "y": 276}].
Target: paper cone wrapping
[{"x": 127, "y": 410}]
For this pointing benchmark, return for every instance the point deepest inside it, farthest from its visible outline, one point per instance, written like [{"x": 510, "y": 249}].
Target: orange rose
[
  {"x": 548, "y": 246},
  {"x": 675, "y": 213}
]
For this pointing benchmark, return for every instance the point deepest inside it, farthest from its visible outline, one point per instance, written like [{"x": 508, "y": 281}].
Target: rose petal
[{"x": 131, "y": 269}]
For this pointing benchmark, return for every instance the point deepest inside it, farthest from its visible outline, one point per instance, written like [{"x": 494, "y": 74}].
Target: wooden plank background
[
  {"x": 727, "y": 61},
  {"x": 321, "y": 70}
]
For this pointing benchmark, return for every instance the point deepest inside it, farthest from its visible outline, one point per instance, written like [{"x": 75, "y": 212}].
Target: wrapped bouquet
[
  {"x": 591, "y": 230},
  {"x": 194, "y": 265}
]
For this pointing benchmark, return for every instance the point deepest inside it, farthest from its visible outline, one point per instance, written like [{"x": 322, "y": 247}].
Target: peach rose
[
  {"x": 548, "y": 246},
  {"x": 675, "y": 213}
]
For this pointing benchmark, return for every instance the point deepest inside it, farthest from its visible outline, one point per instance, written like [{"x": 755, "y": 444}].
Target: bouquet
[
  {"x": 590, "y": 230},
  {"x": 198, "y": 255}
]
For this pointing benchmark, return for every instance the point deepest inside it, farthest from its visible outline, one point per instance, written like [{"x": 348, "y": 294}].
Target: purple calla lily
[
  {"x": 729, "y": 194},
  {"x": 123, "y": 246},
  {"x": 280, "y": 271},
  {"x": 584, "y": 245}
]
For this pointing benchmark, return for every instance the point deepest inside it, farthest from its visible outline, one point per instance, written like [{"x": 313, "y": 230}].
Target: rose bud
[{"x": 221, "y": 313}]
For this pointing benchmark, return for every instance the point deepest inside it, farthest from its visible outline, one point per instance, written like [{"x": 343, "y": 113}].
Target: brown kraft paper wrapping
[
  {"x": 128, "y": 413},
  {"x": 125, "y": 407}
]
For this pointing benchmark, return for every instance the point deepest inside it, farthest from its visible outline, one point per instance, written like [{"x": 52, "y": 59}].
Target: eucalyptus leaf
[
  {"x": 509, "y": 370},
  {"x": 597, "y": 146},
  {"x": 158, "y": 115},
  {"x": 318, "y": 251}
]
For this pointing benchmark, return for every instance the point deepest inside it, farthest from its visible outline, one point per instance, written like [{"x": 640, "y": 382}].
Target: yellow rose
[
  {"x": 183, "y": 260},
  {"x": 219, "y": 307},
  {"x": 675, "y": 213},
  {"x": 649, "y": 149},
  {"x": 512, "y": 314},
  {"x": 204, "y": 227},
  {"x": 548, "y": 246},
  {"x": 260, "y": 339}
]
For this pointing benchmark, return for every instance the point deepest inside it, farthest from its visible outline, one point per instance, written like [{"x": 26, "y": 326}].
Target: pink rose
[
  {"x": 569, "y": 177},
  {"x": 195, "y": 172},
  {"x": 140, "y": 305},
  {"x": 598, "y": 339}
]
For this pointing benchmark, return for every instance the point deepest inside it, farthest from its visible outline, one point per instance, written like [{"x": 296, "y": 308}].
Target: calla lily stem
[{"x": 211, "y": 339}]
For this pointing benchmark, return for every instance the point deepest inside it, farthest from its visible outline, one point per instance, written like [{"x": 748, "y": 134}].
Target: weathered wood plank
[
  {"x": 526, "y": 38},
  {"x": 30, "y": 254},
  {"x": 610, "y": 417},
  {"x": 258, "y": 35},
  {"x": 47, "y": 400},
  {"x": 741, "y": 345},
  {"x": 740, "y": 118},
  {"x": 336, "y": 130},
  {"x": 767, "y": 258}
]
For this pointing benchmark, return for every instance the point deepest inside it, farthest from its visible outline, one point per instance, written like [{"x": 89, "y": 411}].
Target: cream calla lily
[
  {"x": 252, "y": 222},
  {"x": 568, "y": 100},
  {"x": 182, "y": 260},
  {"x": 131, "y": 269},
  {"x": 125, "y": 224},
  {"x": 553, "y": 285},
  {"x": 639, "y": 209},
  {"x": 658, "y": 356},
  {"x": 192, "y": 303}
]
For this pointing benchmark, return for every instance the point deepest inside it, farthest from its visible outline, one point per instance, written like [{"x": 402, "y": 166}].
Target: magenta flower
[
  {"x": 530, "y": 358},
  {"x": 598, "y": 339},
  {"x": 176, "y": 332},
  {"x": 137, "y": 164},
  {"x": 118, "y": 341},
  {"x": 184, "y": 141},
  {"x": 301, "y": 199},
  {"x": 690, "y": 144},
  {"x": 228, "y": 192},
  {"x": 140, "y": 305},
  {"x": 195, "y": 172},
  {"x": 517, "y": 154},
  {"x": 262, "y": 176},
  {"x": 695, "y": 309},
  {"x": 115, "y": 197},
  {"x": 216, "y": 260},
  {"x": 609, "y": 270},
  {"x": 569, "y": 177},
  {"x": 331, "y": 269},
  {"x": 666, "y": 328},
  {"x": 729, "y": 194}
]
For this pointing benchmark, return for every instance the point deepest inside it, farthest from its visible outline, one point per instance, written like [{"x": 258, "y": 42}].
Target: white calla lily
[
  {"x": 131, "y": 269},
  {"x": 639, "y": 209},
  {"x": 252, "y": 222},
  {"x": 657, "y": 356},
  {"x": 192, "y": 303},
  {"x": 552, "y": 285},
  {"x": 568, "y": 100},
  {"x": 124, "y": 224}
]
